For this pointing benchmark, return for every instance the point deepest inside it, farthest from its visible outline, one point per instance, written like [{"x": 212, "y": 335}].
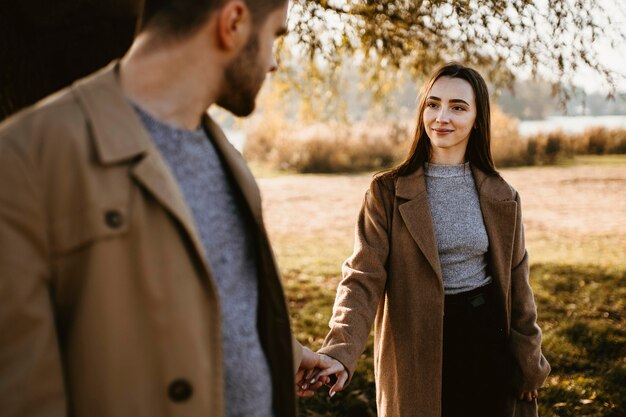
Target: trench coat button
[
  {"x": 180, "y": 390},
  {"x": 113, "y": 219}
]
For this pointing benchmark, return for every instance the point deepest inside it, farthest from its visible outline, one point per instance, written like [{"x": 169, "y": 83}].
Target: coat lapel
[
  {"x": 155, "y": 176},
  {"x": 120, "y": 137},
  {"x": 497, "y": 203},
  {"x": 236, "y": 166},
  {"x": 243, "y": 181},
  {"x": 499, "y": 210},
  {"x": 417, "y": 216}
]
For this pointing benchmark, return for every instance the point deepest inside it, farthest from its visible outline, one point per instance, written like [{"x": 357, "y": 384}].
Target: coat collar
[
  {"x": 492, "y": 187},
  {"x": 120, "y": 137},
  {"x": 118, "y": 133},
  {"x": 237, "y": 167},
  {"x": 417, "y": 216},
  {"x": 498, "y": 206}
]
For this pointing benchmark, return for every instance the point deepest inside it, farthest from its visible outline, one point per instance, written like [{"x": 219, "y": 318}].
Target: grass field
[{"x": 575, "y": 219}]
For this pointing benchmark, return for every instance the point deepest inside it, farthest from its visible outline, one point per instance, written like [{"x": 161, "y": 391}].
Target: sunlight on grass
[
  {"x": 602, "y": 251},
  {"x": 582, "y": 313},
  {"x": 601, "y": 160}
]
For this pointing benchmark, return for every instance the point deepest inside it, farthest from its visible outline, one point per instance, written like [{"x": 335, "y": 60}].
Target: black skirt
[{"x": 476, "y": 361}]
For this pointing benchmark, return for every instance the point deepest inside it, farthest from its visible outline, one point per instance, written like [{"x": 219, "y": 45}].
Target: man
[{"x": 136, "y": 277}]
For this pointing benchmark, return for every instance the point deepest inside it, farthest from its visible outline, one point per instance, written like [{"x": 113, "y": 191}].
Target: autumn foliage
[{"x": 371, "y": 145}]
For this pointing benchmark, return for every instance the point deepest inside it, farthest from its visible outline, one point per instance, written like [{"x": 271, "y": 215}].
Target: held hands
[
  {"x": 315, "y": 370},
  {"x": 529, "y": 395}
]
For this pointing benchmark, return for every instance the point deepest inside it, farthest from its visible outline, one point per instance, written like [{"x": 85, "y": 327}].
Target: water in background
[{"x": 570, "y": 124}]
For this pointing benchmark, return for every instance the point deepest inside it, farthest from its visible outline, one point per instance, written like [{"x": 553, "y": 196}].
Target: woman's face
[{"x": 449, "y": 117}]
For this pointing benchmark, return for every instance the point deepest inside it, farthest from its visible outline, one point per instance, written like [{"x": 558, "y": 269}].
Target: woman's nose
[{"x": 442, "y": 115}]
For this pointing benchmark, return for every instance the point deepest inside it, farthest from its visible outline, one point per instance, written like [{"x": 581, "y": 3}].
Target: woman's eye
[
  {"x": 458, "y": 108},
  {"x": 432, "y": 105}
]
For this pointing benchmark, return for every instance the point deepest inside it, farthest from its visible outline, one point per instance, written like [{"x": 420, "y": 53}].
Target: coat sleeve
[
  {"x": 31, "y": 382},
  {"x": 525, "y": 335},
  {"x": 296, "y": 348},
  {"x": 363, "y": 283}
]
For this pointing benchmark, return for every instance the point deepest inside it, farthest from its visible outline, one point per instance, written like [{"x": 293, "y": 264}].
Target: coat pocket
[{"x": 74, "y": 231}]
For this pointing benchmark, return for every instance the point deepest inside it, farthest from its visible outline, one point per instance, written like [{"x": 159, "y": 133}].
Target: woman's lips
[{"x": 442, "y": 131}]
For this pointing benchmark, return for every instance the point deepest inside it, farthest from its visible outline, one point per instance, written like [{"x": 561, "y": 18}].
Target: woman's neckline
[{"x": 447, "y": 170}]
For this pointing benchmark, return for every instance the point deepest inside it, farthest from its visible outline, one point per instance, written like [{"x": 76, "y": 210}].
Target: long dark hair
[{"x": 478, "y": 151}]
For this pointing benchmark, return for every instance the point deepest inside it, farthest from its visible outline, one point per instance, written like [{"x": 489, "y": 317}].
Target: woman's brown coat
[{"x": 394, "y": 279}]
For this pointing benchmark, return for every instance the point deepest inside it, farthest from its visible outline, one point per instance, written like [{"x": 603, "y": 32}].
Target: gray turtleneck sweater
[
  {"x": 229, "y": 247},
  {"x": 459, "y": 228}
]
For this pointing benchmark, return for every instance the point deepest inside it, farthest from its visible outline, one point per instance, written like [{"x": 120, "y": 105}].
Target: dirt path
[{"x": 575, "y": 212}]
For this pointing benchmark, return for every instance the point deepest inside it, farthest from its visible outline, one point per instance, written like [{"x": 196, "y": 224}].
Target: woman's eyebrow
[
  {"x": 458, "y": 100},
  {"x": 454, "y": 100}
]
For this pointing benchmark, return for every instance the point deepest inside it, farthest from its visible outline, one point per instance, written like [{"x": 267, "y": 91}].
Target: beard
[{"x": 243, "y": 78}]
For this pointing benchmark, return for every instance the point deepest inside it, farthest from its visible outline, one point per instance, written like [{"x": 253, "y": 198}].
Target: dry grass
[
  {"x": 377, "y": 144},
  {"x": 328, "y": 148},
  {"x": 573, "y": 214}
]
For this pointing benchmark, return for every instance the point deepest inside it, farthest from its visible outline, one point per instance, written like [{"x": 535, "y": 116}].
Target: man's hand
[
  {"x": 310, "y": 367},
  {"x": 529, "y": 395},
  {"x": 311, "y": 361},
  {"x": 319, "y": 374}
]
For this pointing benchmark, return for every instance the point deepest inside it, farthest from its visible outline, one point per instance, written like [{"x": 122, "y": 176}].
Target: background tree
[
  {"x": 553, "y": 38},
  {"x": 45, "y": 45}
]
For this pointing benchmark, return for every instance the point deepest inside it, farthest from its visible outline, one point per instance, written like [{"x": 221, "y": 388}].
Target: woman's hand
[
  {"x": 311, "y": 364},
  {"x": 529, "y": 395},
  {"x": 315, "y": 377}
]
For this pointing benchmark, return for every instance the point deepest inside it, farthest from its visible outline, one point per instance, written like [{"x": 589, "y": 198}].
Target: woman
[{"x": 440, "y": 268}]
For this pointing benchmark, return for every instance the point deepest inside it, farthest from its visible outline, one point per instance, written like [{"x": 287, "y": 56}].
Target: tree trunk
[{"x": 45, "y": 46}]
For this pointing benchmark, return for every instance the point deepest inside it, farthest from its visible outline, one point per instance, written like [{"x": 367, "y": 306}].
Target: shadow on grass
[{"x": 581, "y": 311}]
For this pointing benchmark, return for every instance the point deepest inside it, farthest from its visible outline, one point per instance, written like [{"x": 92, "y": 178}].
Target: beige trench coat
[
  {"x": 106, "y": 297},
  {"x": 394, "y": 279}
]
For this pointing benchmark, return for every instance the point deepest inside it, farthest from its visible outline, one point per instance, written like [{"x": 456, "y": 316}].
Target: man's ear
[{"x": 234, "y": 24}]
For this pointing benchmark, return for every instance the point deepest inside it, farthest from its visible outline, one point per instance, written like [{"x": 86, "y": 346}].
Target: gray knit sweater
[
  {"x": 229, "y": 248},
  {"x": 459, "y": 228}
]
